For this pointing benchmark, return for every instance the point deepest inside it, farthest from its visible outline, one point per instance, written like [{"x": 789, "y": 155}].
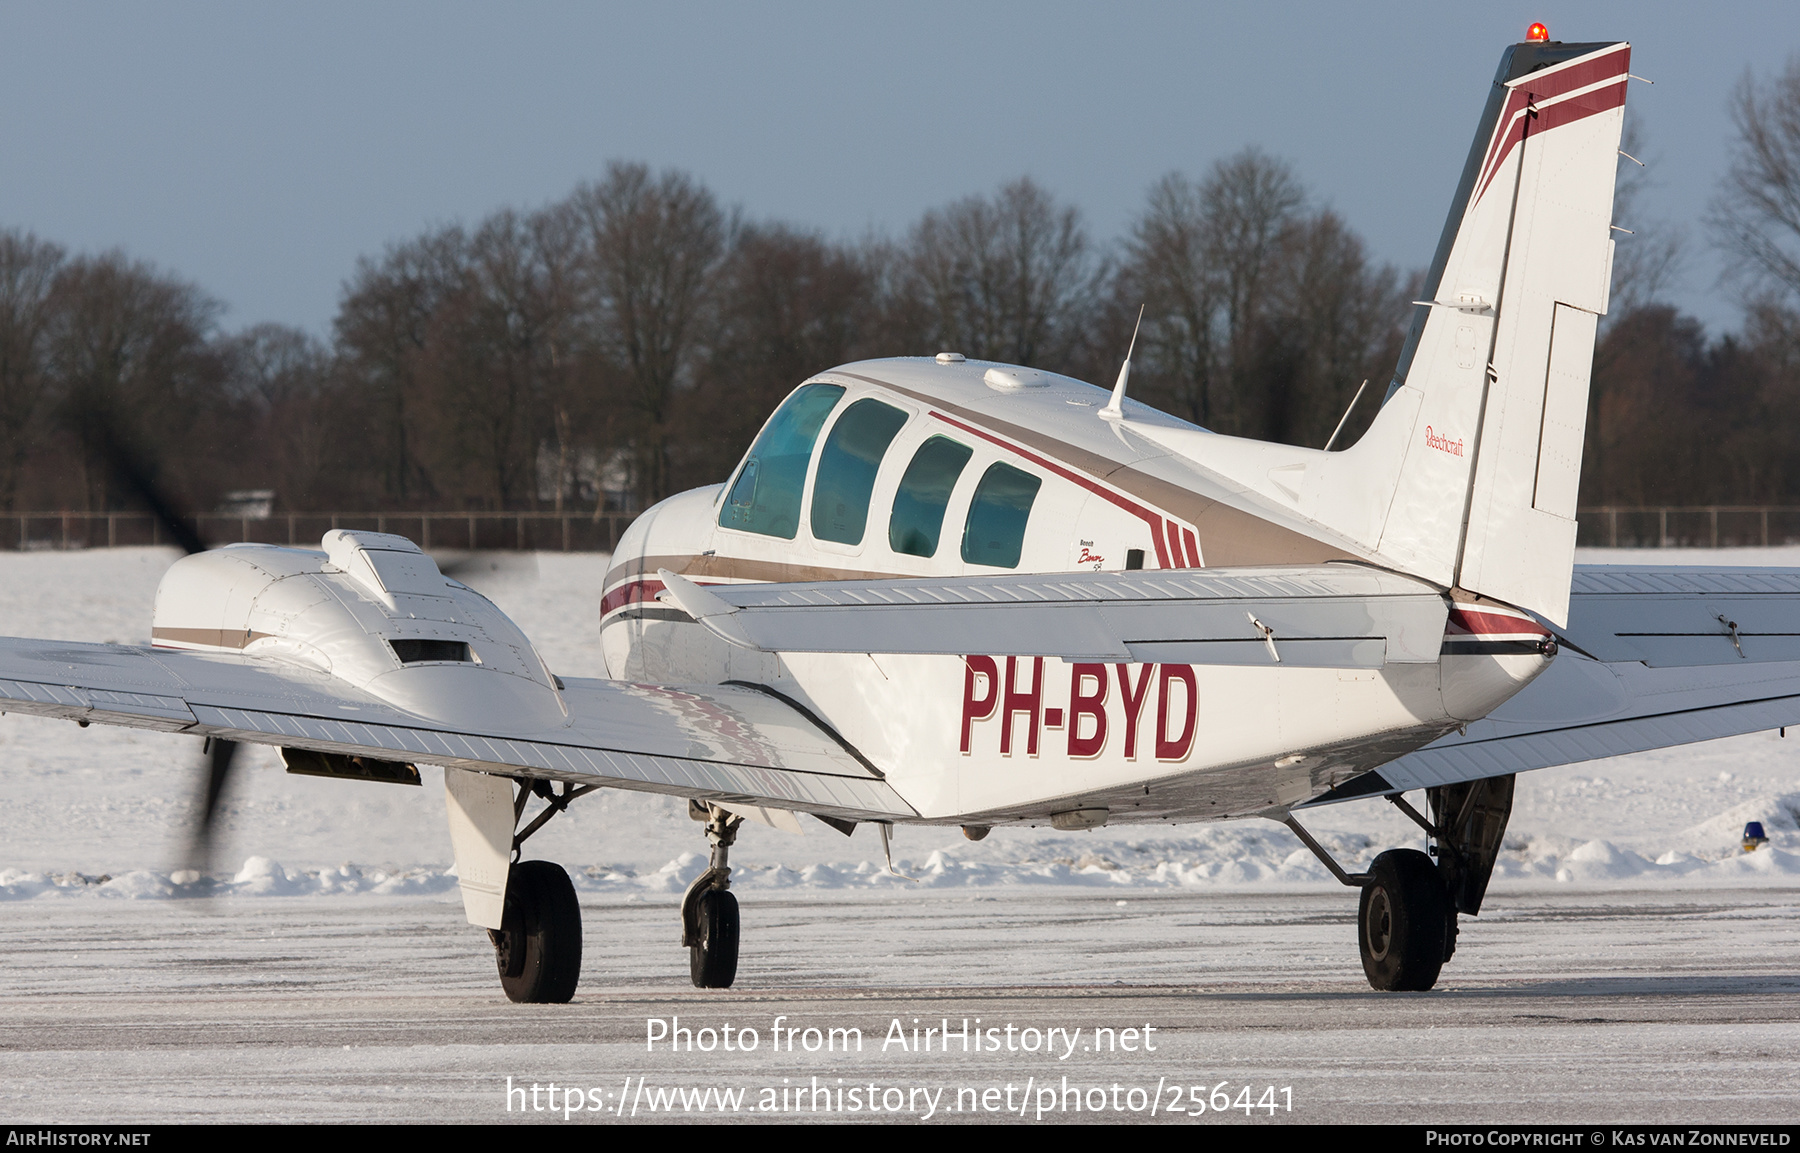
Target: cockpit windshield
[{"x": 765, "y": 497}]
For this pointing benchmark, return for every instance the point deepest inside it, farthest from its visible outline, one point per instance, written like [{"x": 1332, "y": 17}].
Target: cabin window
[
  {"x": 847, "y": 467},
  {"x": 765, "y": 498},
  {"x": 918, "y": 518},
  {"x": 995, "y": 533}
]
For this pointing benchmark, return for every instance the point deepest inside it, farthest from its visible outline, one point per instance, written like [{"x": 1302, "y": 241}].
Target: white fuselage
[{"x": 987, "y": 738}]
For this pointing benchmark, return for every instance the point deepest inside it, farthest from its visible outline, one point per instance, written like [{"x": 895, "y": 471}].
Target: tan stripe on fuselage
[
  {"x": 212, "y": 638},
  {"x": 738, "y": 568}
]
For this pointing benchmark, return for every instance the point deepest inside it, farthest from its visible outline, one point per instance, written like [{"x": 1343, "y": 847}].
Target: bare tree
[
  {"x": 1205, "y": 258},
  {"x": 1647, "y": 259},
  {"x": 28, "y": 271},
  {"x": 383, "y": 328},
  {"x": 786, "y": 304},
  {"x": 135, "y": 371},
  {"x": 1331, "y": 320},
  {"x": 649, "y": 249},
  {"x": 1010, "y": 278},
  {"x": 1250, "y": 200},
  {"x": 487, "y": 363},
  {"x": 1756, "y": 214},
  {"x": 298, "y": 427},
  {"x": 1169, "y": 268}
]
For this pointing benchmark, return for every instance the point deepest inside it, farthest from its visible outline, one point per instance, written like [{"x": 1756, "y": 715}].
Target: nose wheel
[
  {"x": 713, "y": 955},
  {"x": 709, "y": 913}
]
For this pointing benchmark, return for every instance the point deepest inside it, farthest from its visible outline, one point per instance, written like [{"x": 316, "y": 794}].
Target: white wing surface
[
  {"x": 1329, "y": 616},
  {"x": 718, "y": 742}
]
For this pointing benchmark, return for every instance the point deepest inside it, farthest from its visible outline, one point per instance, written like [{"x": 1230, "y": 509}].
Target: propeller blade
[
  {"x": 219, "y": 755},
  {"x": 133, "y": 475},
  {"x": 475, "y": 568}
]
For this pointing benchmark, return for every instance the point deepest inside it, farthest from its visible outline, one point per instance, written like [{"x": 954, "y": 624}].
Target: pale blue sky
[{"x": 259, "y": 149}]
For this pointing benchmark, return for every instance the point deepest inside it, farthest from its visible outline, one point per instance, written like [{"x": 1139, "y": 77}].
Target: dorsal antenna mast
[{"x": 1115, "y": 407}]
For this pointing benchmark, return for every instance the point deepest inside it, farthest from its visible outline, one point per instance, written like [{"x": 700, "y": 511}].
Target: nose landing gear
[{"x": 709, "y": 913}]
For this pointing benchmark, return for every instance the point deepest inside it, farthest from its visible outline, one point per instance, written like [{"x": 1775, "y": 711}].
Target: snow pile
[
  {"x": 259, "y": 877},
  {"x": 1227, "y": 857}
]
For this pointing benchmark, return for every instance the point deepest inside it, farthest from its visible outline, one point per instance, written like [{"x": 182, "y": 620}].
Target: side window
[
  {"x": 847, "y": 467},
  {"x": 995, "y": 534},
  {"x": 765, "y": 498},
  {"x": 918, "y": 518}
]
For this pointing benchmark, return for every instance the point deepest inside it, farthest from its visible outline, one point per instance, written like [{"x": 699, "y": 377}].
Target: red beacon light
[{"x": 1537, "y": 32}]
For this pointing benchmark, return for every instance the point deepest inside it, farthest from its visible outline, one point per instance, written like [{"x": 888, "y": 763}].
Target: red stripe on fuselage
[{"x": 629, "y": 593}]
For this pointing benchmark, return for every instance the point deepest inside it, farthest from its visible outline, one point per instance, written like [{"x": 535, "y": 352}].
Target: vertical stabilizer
[
  {"x": 1467, "y": 476},
  {"x": 1497, "y": 365}
]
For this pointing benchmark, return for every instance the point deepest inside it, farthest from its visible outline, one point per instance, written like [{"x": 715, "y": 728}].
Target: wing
[
  {"x": 1652, "y": 657},
  {"x": 1329, "y": 615},
  {"x": 717, "y": 742}
]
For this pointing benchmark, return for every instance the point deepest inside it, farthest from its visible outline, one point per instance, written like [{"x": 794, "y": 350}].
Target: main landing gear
[
  {"x": 709, "y": 913},
  {"x": 537, "y": 947},
  {"x": 1406, "y": 919}
]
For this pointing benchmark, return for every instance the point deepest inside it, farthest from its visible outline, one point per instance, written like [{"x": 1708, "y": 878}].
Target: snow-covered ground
[{"x": 103, "y": 812}]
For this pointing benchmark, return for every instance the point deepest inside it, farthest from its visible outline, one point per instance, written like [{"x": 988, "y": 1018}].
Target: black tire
[
  {"x": 538, "y": 948},
  {"x": 1401, "y": 921},
  {"x": 712, "y": 960}
]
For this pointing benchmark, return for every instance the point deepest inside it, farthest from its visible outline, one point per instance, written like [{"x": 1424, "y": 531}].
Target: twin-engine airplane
[{"x": 945, "y": 592}]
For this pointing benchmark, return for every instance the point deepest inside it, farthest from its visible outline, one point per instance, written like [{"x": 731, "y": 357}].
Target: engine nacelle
[{"x": 372, "y": 610}]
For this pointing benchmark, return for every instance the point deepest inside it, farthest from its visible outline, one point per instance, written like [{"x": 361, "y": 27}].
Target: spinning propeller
[{"x": 131, "y": 473}]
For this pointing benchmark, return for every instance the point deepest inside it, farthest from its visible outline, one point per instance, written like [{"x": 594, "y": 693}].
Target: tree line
[{"x": 627, "y": 341}]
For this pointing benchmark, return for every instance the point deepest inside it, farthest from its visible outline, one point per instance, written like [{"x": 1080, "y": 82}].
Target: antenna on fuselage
[
  {"x": 1346, "y": 417},
  {"x": 1115, "y": 407}
]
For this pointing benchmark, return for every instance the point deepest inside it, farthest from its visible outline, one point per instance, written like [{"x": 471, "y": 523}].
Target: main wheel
[
  {"x": 538, "y": 946},
  {"x": 1400, "y": 922},
  {"x": 712, "y": 959}
]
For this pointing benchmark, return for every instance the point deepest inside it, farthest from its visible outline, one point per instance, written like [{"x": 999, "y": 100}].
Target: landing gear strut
[
  {"x": 1406, "y": 919},
  {"x": 709, "y": 913}
]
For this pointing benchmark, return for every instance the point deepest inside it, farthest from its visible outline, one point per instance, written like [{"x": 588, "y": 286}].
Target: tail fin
[
  {"x": 1468, "y": 475},
  {"x": 1495, "y": 371}
]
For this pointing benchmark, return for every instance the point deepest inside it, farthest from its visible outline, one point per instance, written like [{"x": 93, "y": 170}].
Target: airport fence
[
  {"x": 1689, "y": 526},
  {"x": 1603, "y": 526},
  {"x": 439, "y": 531}
]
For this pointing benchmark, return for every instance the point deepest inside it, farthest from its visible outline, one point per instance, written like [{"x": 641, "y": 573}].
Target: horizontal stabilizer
[{"x": 1654, "y": 657}]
